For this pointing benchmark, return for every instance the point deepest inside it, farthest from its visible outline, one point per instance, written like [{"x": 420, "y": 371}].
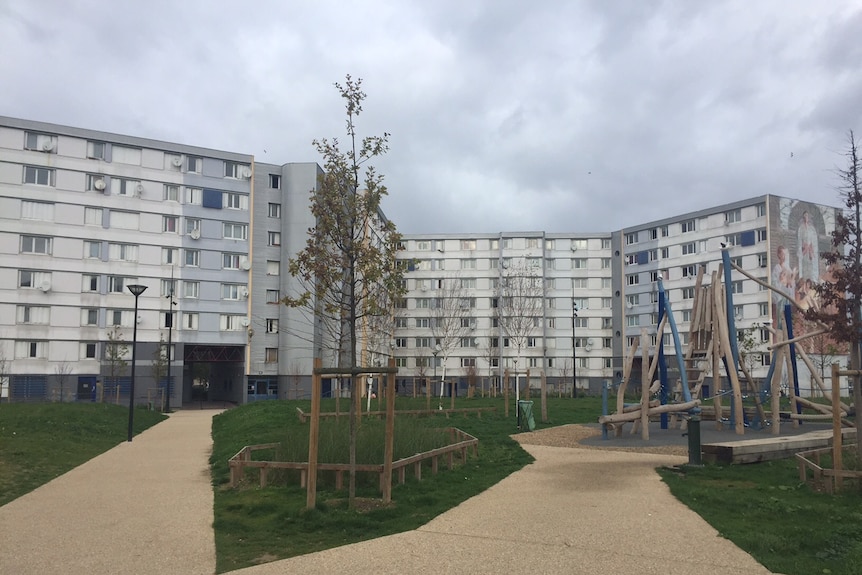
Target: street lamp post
[
  {"x": 136, "y": 290},
  {"x": 574, "y": 349},
  {"x": 169, "y": 320},
  {"x": 437, "y": 349}
]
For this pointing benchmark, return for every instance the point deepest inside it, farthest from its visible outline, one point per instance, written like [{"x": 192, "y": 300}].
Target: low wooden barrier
[
  {"x": 768, "y": 448},
  {"x": 303, "y": 417},
  {"x": 461, "y": 443},
  {"x": 822, "y": 478}
]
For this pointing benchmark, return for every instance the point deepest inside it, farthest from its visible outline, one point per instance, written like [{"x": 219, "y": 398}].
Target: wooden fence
[
  {"x": 461, "y": 443},
  {"x": 303, "y": 417}
]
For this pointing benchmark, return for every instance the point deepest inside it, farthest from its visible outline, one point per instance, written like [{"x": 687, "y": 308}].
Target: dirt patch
[{"x": 573, "y": 435}]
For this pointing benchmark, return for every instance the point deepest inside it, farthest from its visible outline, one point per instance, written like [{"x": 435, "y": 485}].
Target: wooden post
[
  {"x": 544, "y": 396},
  {"x": 506, "y": 391},
  {"x": 644, "y": 385},
  {"x": 313, "y": 434},
  {"x": 720, "y": 317},
  {"x": 390, "y": 432},
  {"x": 716, "y": 375},
  {"x": 837, "y": 463}
]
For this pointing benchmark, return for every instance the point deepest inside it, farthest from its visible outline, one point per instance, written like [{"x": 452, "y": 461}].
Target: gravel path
[{"x": 573, "y": 436}]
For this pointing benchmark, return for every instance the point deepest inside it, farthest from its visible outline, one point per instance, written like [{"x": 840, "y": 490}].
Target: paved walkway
[
  {"x": 141, "y": 507},
  {"x": 146, "y": 507}
]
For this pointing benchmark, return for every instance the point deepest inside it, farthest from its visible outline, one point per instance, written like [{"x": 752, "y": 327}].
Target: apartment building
[
  {"x": 85, "y": 214},
  {"x": 612, "y": 280}
]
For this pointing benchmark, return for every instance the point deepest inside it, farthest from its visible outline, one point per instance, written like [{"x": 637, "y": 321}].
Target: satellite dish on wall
[
  {"x": 99, "y": 185},
  {"x": 45, "y": 286},
  {"x": 195, "y": 234},
  {"x": 244, "y": 322},
  {"x": 177, "y": 162},
  {"x": 245, "y": 264}
]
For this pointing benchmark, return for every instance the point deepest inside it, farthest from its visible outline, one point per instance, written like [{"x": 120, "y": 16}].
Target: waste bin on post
[{"x": 525, "y": 415}]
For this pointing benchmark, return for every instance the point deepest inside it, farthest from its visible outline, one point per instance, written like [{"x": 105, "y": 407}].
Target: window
[
  {"x": 273, "y": 296},
  {"x": 96, "y": 150},
  {"x": 234, "y": 170},
  {"x": 95, "y": 183},
  {"x": 761, "y": 235},
  {"x": 733, "y": 216},
  {"x": 272, "y": 325},
  {"x": 653, "y": 255},
  {"x": 271, "y": 355},
  {"x": 468, "y": 264},
  {"x": 400, "y": 322},
  {"x": 275, "y": 181},
  {"x": 606, "y": 244},
  {"x": 582, "y": 283},
  {"x": 468, "y": 283},
  {"x": 121, "y": 317},
  {"x": 230, "y": 261},
  {"x": 117, "y": 283},
  {"x": 687, "y": 226},
  {"x": 689, "y": 248},
  {"x": 760, "y": 210},
  {"x": 579, "y": 263},
  {"x": 688, "y": 293},
  {"x": 89, "y": 316},
  {"x": 168, "y": 288},
  {"x": 468, "y": 362},
  {"x": 273, "y": 268},
  {"x": 606, "y": 263},
  {"x": 171, "y": 193},
  {"x": 507, "y": 243},
  {"x": 31, "y": 349},
  {"x": 31, "y": 314},
  {"x": 123, "y": 252},
  {"x": 401, "y": 342},
  {"x": 190, "y": 321},
  {"x": 169, "y": 256},
  {"x": 689, "y": 271},
  {"x": 234, "y": 231},
  {"x": 401, "y": 303},
  {"x": 43, "y": 211},
  {"x": 88, "y": 350},
  {"x": 400, "y": 362},
  {"x": 125, "y": 220},
  {"x": 736, "y": 287},
  {"x": 194, "y": 164},
  {"x": 193, "y": 225},
  {"x": 192, "y": 258},
  {"x": 549, "y": 303},
  {"x": 231, "y": 291},
  {"x": 580, "y": 245},
  {"x": 38, "y": 176},
  {"x": 468, "y": 244},
  {"x": 274, "y": 210},
  {"x": 469, "y": 342},
  {"x": 763, "y": 309},
  {"x": 631, "y": 238},
  {"x": 273, "y": 238},
  {"x": 35, "y": 245},
  {"x": 761, "y": 260},
  {"x": 606, "y": 303},
  {"x": 738, "y": 311},
  {"x": 423, "y": 322},
  {"x": 633, "y": 279},
  {"x": 90, "y": 283},
  {"x": 423, "y": 342},
  {"x": 532, "y": 342},
  {"x": 423, "y": 245},
  {"x": 123, "y": 187},
  {"x": 582, "y": 303},
  {"x": 654, "y": 276},
  {"x": 192, "y": 196},
  {"x": 235, "y": 201},
  {"x": 633, "y": 320},
  {"x": 532, "y": 243},
  {"x": 550, "y": 245},
  {"x": 39, "y": 142},
  {"x": 495, "y": 244},
  {"x": 633, "y": 300},
  {"x": 653, "y": 234},
  {"x": 686, "y": 315},
  {"x": 231, "y": 322},
  {"x": 170, "y": 224},
  {"x": 124, "y": 155},
  {"x": 607, "y": 323},
  {"x": 665, "y": 253}
]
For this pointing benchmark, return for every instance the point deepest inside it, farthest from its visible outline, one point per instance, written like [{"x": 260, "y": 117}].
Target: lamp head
[{"x": 137, "y": 289}]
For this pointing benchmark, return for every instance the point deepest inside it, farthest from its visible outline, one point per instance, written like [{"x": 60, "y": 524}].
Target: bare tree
[
  {"x": 490, "y": 353},
  {"x": 5, "y": 379},
  {"x": 116, "y": 351},
  {"x": 472, "y": 375},
  {"x": 841, "y": 293},
  {"x": 520, "y": 306},
  {"x": 63, "y": 370},
  {"x": 422, "y": 363},
  {"x": 159, "y": 367},
  {"x": 451, "y": 319},
  {"x": 348, "y": 266},
  {"x": 565, "y": 375},
  {"x": 295, "y": 373}
]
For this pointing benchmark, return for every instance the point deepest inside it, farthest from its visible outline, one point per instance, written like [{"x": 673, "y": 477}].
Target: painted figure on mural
[
  {"x": 783, "y": 278},
  {"x": 806, "y": 248}
]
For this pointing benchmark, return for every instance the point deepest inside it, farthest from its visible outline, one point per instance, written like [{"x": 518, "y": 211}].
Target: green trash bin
[{"x": 525, "y": 411}]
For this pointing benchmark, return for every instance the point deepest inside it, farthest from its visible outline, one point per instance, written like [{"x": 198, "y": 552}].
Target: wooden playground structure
[{"x": 712, "y": 345}]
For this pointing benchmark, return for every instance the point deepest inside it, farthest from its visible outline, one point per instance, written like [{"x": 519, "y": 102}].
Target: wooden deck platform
[{"x": 773, "y": 447}]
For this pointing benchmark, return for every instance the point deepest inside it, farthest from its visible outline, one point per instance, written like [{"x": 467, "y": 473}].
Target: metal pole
[
  {"x": 136, "y": 290},
  {"x": 170, "y": 321},
  {"x": 574, "y": 350}
]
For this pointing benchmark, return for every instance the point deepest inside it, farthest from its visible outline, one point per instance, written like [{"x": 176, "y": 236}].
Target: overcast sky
[{"x": 504, "y": 115}]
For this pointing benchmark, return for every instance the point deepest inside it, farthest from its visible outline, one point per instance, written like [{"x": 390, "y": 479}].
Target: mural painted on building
[{"x": 800, "y": 232}]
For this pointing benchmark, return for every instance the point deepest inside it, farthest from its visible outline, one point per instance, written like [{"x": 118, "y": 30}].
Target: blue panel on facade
[
  {"x": 29, "y": 387},
  {"x": 747, "y": 238},
  {"x": 643, "y": 257},
  {"x": 211, "y": 199}
]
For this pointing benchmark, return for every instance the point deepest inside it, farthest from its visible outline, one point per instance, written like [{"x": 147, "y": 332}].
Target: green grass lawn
[
  {"x": 253, "y": 525},
  {"x": 765, "y": 510},
  {"x": 41, "y": 441}
]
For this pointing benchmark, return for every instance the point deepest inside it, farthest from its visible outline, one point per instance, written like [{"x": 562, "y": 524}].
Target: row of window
[
  {"x": 507, "y": 243},
  {"x": 687, "y": 226},
  {"x": 471, "y": 362},
  {"x": 497, "y": 263}
]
